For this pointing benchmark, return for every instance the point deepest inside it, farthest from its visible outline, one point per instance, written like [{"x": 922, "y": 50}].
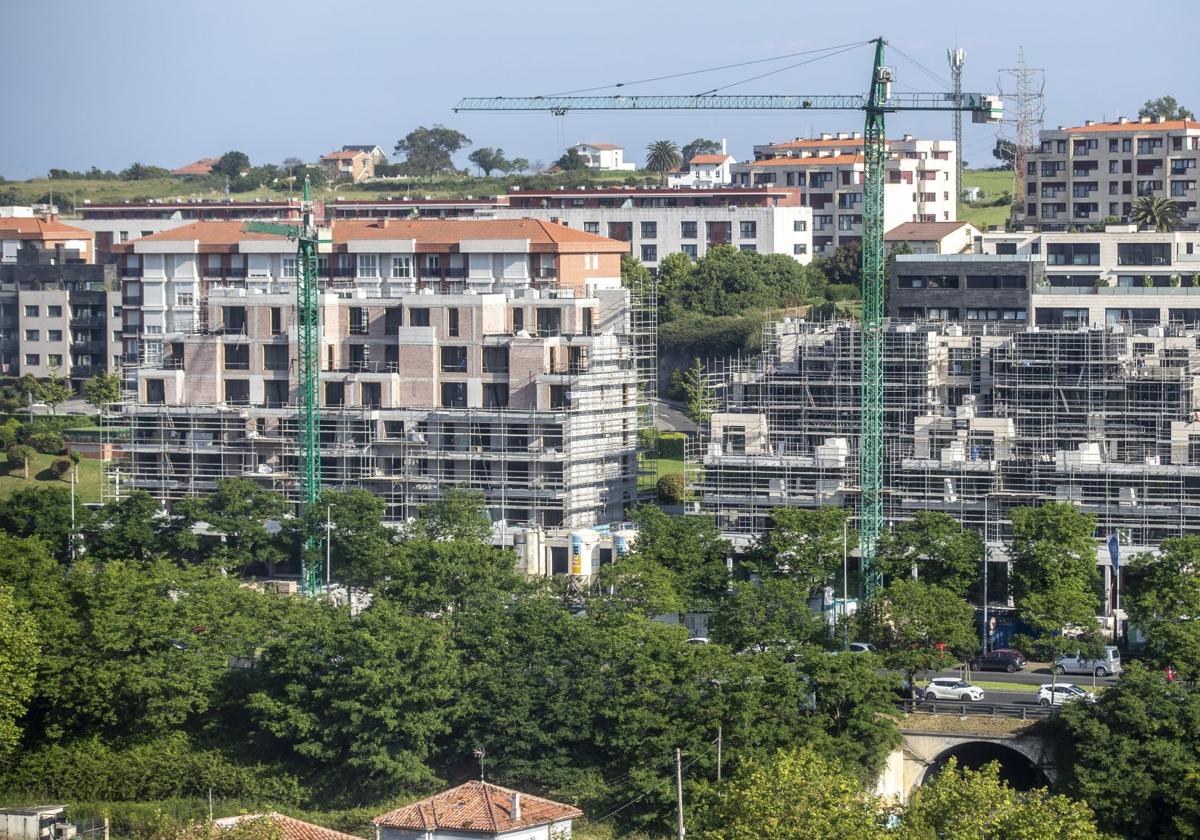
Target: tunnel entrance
[{"x": 1015, "y": 769}]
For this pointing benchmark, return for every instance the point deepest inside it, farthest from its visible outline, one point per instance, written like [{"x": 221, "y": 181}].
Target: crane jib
[{"x": 792, "y": 102}]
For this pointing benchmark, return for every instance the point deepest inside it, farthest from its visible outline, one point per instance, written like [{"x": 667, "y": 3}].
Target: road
[{"x": 1037, "y": 676}]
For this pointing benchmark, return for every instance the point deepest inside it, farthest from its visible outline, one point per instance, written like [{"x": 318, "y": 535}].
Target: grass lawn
[
  {"x": 991, "y": 185},
  {"x": 40, "y": 474}
]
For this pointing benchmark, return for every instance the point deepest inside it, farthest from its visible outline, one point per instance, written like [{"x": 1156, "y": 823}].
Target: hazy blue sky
[{"x": 107, "y": 82}]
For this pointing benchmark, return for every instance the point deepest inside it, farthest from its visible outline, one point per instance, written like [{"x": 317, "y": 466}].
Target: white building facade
[{"x": 606, "y": 156}]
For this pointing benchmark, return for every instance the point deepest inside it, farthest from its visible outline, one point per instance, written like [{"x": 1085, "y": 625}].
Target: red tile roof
[
  {"x": 290, "y": 828},
  {"x": 35, "y": 228},
  {"x": 604, "y": 146},
  {"x": 922, "y": 231},
  {"x": 200, "y": 167},
  {"x": 813, "y": 143},
  {"x": 708, "y": 159},
  {"x": 476, "y": 806},
  {"x": 811, "y": 160},
  {"x": 343, "y": 155},
  {"x": 1134, "y": 125},
  {"x": 208, "y": 233}
]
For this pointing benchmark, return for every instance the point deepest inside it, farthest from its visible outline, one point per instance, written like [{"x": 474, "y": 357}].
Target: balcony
[
  {"x": 85, "y": 321},
  {"x": 546, "y": 273}
]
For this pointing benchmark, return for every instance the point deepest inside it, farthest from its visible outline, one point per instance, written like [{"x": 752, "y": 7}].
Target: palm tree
[
  {"x": 662, "y": 156},
  {"x": 1156, "y": 211}
]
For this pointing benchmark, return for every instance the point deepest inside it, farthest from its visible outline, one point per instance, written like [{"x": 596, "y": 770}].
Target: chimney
[
  {"x": 1088, "y": 122},
  {"x": 825, "y": 135},
  {"x": 516, "y": 807},
  {"x": 1161, "y": 119},
  {"x": 1144, "y": 120},
  {"x": 724, "y": 148}
]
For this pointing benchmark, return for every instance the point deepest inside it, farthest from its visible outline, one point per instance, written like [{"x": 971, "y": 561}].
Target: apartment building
[
  {"x": 977, "y": 421},
  {"x": 492, "y": 354},
  {"x": 43, "y": 233},
  {"x": 829, "y": 170},
  {"x": 605, "y": 156},
  {"x": 657, "y": 222},
  {"x": 1083, "y": 174}
]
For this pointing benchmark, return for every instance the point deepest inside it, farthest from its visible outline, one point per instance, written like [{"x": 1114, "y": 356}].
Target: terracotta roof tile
[
  {"x": 603, "y": 146},
  {"x": 812, "y": 160},
  {"x": 813, "y": 143},
  {"x": 708, "y": 159},
  {"x": 35, "y": 228},
  {"x": 476, "y": 806},
  {"x": 343, "y": 155},
  {"x": 290, "y": 828},
  {"x": 200, "y": 167},
  {"x": 922, "y": 231},
  {"x": 1132, "y": 126},
  {"x": 208, "y": 233}
]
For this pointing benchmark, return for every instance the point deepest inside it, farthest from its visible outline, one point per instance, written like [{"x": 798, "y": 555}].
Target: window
[
  {"x": 54, "y": 360},
  {"x": 418, "y": 317},
  {"x": 591, "y": 227},
  {"x": 335, "y": 393},
  {"x": 495, "y": 395},
  {"x": 275, "y": 357},
  {"x": 495, "y": 360},
  {"x": 54, "y": 335},
  {"x": 33, "y": 335},
  {"x": 748, "y": 247},
  {"x": 549, "y": 321},
  {"x": 275, "y": 393},
  {"x": 558, "y": 397},
  {"x": 289, "y": 266},
  {"x": 452, "y": 322},
  {"x": 237, "y": 391},
  {"x": 799, "y": 248},
  {"x": 234, "y": 318},
  {"x": 1143, "y": 253},
  {"x": 1112, "y": 145},
  {"x": 996, "y": 314},
  {"x": 31, "y": 311},
  {"x": 368, "y": 265},
  {"x": 156, "y": 392},
  {"x": 749, "y": 230},
  {"x": 1077, "y": 253},
  {"x": 358, "y": 320},
  {"x": 518, "y": 315},
  {"x": 32, "y": 359},
  {"x": 372, "y": 394},
  {"x": 276, "y": 320},
  {"x": 393, "y": 319},
  {"x": 237, "y": 356},
  {"x": 401, "y": 266},
  {"x": 454, "y": 394},
  {"x": 53, "y": 311},
  {"x": 649, "y": 253},
  {"x": 689, "y": 251},
  {"x": 848, "y": 222},
  {"x": 996, "y": 282},
  {"x": 687, "y": 230},
  {"x": 800, "y": 225},
  {"x": 454, "y": 359},
  {"x": 649, "y": 230}
]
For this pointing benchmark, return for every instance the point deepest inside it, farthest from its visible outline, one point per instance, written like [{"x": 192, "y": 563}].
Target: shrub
[
  {"x": 48, "y": 443},
  {"x": 61, "y": 466},
  {"x": 670, "y": 445},
  {"x": 672, "y": 489}
]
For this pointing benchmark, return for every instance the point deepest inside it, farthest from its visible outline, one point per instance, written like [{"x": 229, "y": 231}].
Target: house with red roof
[
  {"x": 478, "y": 811},
  {"x": 288, "y": 828},
  {"x": 704, "y": 171},
  {"x": 349, "y": 165},
  {"x": 196, "y": 169}
]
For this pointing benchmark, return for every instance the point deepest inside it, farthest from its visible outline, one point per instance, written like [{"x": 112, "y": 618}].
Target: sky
[{"x": 164, "y": 82}]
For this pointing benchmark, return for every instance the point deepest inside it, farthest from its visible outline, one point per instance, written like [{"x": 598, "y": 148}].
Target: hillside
[{"x": 995, "y": 187}]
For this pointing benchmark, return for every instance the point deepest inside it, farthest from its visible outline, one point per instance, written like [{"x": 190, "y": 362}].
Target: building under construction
[
  {"x": 500, "y": 356},
  {"x": 978, "y": 421}
]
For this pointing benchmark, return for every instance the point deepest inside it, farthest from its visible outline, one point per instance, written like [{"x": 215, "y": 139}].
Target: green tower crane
[
  {"x": 878, "y": 101},
  {"x": 308, "y": 239}
]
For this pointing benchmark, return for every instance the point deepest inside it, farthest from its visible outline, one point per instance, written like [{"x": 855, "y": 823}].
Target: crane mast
[{"x": 878, "y": 100}]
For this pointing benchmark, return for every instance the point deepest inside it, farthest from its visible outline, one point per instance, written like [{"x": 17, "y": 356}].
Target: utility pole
[
  {"x": 328, "y": 531},
  {"x": 679, "y": 791},
  {"x": 72, "y": 544},
  {"x": 1030, "y": 86},
  {"x": 719, "y": 734},
  {"x": 845, "y": 586},
  {"x": 957, "y": 57}
]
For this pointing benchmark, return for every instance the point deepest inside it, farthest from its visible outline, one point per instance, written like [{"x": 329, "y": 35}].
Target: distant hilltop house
[
  {"x": 196, "y": 169},
  {"x": 377, "y": 154},
  {"x": 604, "y": 156},
  {"x": 352, "y": 165},
  {"x": 704, "y": 171},
  {"x": 481, "y": 811}
]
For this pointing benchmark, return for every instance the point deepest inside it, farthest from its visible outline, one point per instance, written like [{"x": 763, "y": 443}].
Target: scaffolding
[{"x": 977, "y": 422}]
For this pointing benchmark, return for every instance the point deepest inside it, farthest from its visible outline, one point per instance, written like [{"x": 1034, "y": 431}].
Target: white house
[
  {"x": 934, "y": 237},
  {"x": 478, "y": 811},
  {"x": 704, "y": 171},
  {"x": 604, "y": 156}
]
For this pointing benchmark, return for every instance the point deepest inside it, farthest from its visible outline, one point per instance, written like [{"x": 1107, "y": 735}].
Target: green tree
[
  {"x": 1162, "y": 596},
  {"x": 699, "y": 146},
  {"x": 571, "y": 161},
  {"x": 19, "y": 455},
  {"x": 42, "y": 512},
  {"x": 919, "y": 627},
  {"x": 142, "y": 172},
  {"x": 239, "y": 511},
  {"x": 18, "y": 668},
  {"x": 489, "y": 160},
  {"x": 102, "y": 389},
  {"x": 937, "y": 548},
  {"x": 1134, "y": 756},
  {"x": 54, "y": 391},
  {"x": 768, "y": 613},
  {"x": 671, "y": 489},
  {"x": 844, "y": 265},
  {"x": 795, "y": 794},
  {"x": 358, "y": 700},
  {"x": 662, "y": 156},
  {"x": 10, "y": 432},
  {"x": 137, "y": 528},
  {"x": 965, "y": 804},
  {"x": 1165, "y": 107},
  {"x": 429, "y": 151},
  {"x": 1054, "y": 577},
  {"x": 231, "y": 165},
  {"x": 519, "y": 164},
  {"x": 805, "y": 545},
  {"x": 691, "y": 547},
  {"x": 363, "y": 549},
  {"x": 1156, "y": 211},
  {"x": 637, "y": 585},
  {"x": 699, "y": 399},
  {"x": 460, "y": 514}
]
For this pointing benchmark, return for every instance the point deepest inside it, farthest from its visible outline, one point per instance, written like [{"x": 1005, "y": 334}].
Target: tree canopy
[
  {"x": 1165, "y": 107},
  {"x": 429, "y": 151}
]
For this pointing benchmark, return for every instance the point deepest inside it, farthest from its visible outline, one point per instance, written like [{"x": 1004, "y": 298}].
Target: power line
[
  {"x": 669, "y": 780},
  {"x": 932, "y": 75},
  {"x": 707, "y": 70},
  {"x": 782, "y": 69}
]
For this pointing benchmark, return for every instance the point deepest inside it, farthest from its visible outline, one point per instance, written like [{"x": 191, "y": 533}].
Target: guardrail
[{"x": 961, "y": 709}]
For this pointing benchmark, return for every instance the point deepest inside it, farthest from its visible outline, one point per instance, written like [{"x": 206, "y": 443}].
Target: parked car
[
  {"x": 861, "y": 647},
  {"x": 696, "y": 640},
  {"x": 1056, "y": 695},
  {"x": 1109, "y": 662},
  {"x": 1000, "y": 659},
  {"x": 952, "y": 688}
]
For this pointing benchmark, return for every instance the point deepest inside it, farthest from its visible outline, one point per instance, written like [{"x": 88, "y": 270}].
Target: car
[
  {"x": 952, "y": 688},
  {"x": 1055, "y": 695},
  {"x": 1109, "y": 662},
  {"x": 696, "y": 640},
  {"x": 1000, "y": 659},
  {"x": 861, "y": 647}
]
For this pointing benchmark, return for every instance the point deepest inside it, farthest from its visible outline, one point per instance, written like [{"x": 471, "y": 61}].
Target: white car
[
  {"x": 952, "y": 688},
  {"x": 1056, "y": 695}
]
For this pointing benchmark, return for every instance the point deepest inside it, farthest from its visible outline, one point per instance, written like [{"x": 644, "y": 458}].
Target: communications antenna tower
[
  {"x": 1028, "y": 86},
  {"x": 309, "y": 239},
  {"x": 956, "y": 57},
  {"x": 875, "y": 103}
]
